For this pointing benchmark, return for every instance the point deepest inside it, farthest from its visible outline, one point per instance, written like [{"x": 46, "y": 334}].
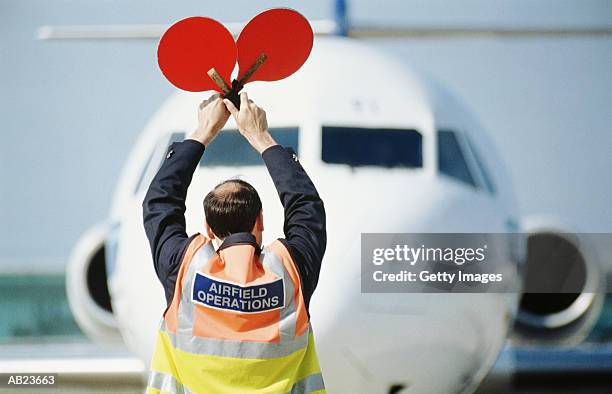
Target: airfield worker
[{"x": 237, "y": 319}]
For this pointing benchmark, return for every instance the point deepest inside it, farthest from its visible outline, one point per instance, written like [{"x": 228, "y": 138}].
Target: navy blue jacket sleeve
[
  {"x": 304, "y": 227},
  {"x": 164, "y": 211}
]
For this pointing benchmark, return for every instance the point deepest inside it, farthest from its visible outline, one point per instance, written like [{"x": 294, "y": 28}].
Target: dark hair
[{"x": 232, "y": 207}]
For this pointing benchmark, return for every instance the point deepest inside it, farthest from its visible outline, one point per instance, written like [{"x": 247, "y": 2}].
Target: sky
[{"x": 72, "y": 110}]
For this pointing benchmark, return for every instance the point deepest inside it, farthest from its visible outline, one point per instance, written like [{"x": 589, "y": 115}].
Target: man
[{"x": 237, "y": 319}]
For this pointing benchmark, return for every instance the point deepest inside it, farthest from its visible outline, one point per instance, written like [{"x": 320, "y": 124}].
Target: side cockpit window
[
  {"x": 355, "y": 146},
  {"x": 451, "y": 158},
  {"x": 486, "y": 174}
]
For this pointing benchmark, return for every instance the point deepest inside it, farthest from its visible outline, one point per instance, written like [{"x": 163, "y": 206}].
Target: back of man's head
[{"x": 232, "y": 207}]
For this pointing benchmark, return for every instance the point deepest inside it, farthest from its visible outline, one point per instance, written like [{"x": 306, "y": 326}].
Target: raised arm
[
  {"x": 304, "y": 227},
  {"x": 164, "y": 203}
]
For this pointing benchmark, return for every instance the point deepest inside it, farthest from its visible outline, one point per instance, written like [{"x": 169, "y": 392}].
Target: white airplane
[{"x": 449, "y": 180}]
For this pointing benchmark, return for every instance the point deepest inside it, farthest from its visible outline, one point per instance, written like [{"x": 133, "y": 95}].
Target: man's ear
[
  {"x": 259, "y": 223},
  {"x": 209, "y": 231}
]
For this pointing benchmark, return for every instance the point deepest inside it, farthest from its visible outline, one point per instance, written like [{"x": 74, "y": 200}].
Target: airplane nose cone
[{"x": 367, "y": 340}]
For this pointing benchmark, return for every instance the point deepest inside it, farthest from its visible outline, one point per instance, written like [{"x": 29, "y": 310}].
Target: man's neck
[{"x": 216, "y": 242}]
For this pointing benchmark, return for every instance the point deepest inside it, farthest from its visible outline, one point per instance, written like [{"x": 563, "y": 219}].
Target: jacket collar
[{"x": 240, "y": 239}]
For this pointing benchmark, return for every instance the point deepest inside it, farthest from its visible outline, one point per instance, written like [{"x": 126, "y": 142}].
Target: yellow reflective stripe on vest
[{"x": 208, "y": 374}]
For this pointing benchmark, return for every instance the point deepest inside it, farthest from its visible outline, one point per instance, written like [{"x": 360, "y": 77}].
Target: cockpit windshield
[
  {"x": 356, "y": 146},
  {"x": 231, "y": 149}
]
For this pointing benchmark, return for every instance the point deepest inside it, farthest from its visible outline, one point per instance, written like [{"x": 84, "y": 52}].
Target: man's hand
[
  {"x": 212, "y": 116},
  {"x": 252, "y": 123}
]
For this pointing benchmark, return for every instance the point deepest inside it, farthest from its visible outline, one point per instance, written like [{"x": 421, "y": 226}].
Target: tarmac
[{"x": 91, "y": 369}]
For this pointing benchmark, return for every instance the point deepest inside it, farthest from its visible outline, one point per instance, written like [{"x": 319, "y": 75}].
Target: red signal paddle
[
  {"x": 272, "y": 46},
  {"x": 191, "y": 47}
]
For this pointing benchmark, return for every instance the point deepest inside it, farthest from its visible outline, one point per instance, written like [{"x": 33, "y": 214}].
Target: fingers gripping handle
[{"x": 234, "y": 94}]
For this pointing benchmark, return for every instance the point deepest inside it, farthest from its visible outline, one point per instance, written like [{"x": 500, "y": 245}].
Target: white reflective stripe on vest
[
  {"x": 234, "y": 348},
  {"x": 288, "y": 315},
  {"x": 309, "y": 384},
  {"x": 166, "y": 383},
  {"x": 186, "y": 310}
]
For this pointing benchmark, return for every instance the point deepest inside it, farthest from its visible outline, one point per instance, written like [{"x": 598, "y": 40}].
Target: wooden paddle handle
[
  {"x": 214, "y": 75},
  {"x": 249, "y": 73}
]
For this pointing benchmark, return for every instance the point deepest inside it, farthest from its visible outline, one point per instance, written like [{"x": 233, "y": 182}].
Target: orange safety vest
[{"x": 237, "y": 324}]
